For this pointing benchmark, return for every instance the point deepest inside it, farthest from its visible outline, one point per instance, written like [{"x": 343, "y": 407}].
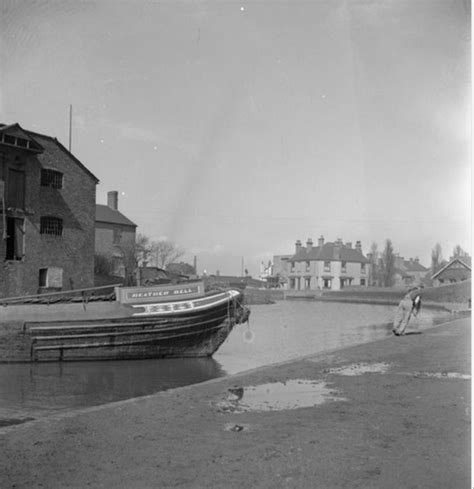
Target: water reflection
[
  {"x": 36, "y": 389},
  {"x": 277, "y": 333}
]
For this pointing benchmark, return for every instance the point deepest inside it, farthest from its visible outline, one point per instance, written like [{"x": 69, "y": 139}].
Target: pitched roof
[
  {"x": 103, "y": 213},
  {"x": 329, "y": 252},
  {"x": 19, "y": 135},
  {"x": 463, "y": 260},
  {"x": 36, "y": 138},
  {"x": 413, "y": 266}
]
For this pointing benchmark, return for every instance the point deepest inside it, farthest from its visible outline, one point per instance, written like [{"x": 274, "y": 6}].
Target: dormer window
[{"x": 51, "y": 178}]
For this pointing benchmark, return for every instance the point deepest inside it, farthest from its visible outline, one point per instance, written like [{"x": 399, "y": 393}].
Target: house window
[
  {"x": 362, "y": 268},
  {"x": 327, "y": 266},
  {"x": 51, "y": 278},
  {"x": 14, "y": 241},
  {"x": 362, "y": 281},
  {"x": 327, "y": 283},
  {"x": 292, "y": 266},
  {"x": 117, "y": 235},
  {"x": 51, "y": 225},
  {"x": 343, "y": 266},
  {"x": 307, "y": 266},
  {"x": 16, "y": 189},
  {"x": 51, "y": 178},
  {"x": 307, "y": 284}
]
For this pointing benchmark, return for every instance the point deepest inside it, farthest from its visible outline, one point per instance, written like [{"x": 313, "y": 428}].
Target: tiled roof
[
  {"x": 413, "y": 266},
  {"x": 465, "y": 260},
  {"x": 103, "y": 213},
  {"x": 330, "y": 252}
]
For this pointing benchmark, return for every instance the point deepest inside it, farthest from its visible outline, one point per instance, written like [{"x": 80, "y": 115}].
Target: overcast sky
[{"x": 236, "y": 128}]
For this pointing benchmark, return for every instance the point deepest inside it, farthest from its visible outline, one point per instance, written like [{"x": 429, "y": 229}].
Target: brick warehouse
[{"x": 47, "y": 215}]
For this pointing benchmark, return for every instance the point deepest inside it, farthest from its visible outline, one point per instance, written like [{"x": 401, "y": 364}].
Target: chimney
[
  {"x": 195, "y": 265},
  {"x": 321, "y": 240},
  {"x": 358, "y": 246},
  {"x": 348, "y": 244},
  {"x": 338, "y": 242},
  {"x": 297, "y": 246},
  {"x": 309, "y": 245},
  {"x": 112, "y": 199},
  {"x": 417, "y": 260}
]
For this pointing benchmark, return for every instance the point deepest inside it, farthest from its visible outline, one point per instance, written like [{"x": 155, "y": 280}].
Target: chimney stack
[
  {"x": 358, "y": 246},
  {"x": 112, "y": 199},
  {"x": 297, "y": 246},
  {"x": 321, "y": 240},
  {"x": 348, "y": 244},
  {"x": 338, "y": 242},
  {"x": 309, "y": 245}
]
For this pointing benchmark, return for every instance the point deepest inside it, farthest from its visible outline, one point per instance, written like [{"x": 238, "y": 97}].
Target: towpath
[{"x": 394, "y": 413}]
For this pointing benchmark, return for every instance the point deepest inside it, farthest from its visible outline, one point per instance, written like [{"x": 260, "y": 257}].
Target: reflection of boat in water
[
  {"x": 38, "y": 389},
  {"x": 172, "y": 321}
]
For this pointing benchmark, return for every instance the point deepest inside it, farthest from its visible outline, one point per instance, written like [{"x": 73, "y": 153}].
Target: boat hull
[{"x": 177, "y": 329}]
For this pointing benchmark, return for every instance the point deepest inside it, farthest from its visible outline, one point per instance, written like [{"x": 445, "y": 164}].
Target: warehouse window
[
  {"x": 14, "y": 239},
  {"x": 51, "y": 278},
  {"x": 16, "y": 189},
  {"x": 51, "y": 178},
  {"x": 51, "y": 225}
]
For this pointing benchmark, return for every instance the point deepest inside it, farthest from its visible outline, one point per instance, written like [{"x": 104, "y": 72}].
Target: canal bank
[{"x": 390, "y": 413}]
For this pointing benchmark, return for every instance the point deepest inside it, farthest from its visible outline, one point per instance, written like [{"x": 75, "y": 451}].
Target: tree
[
  {"x": 103, "y": 264},
  {"x": 165, "y": 252},
  {"x": 143, "y": 249},
  {"x": 436, "y": 258},
  {"x": 459, "y": 252},
  {"x": 181, "y": 268},
  {"x": 388, "y": 264},
  {"x": 373, "y": 264}
]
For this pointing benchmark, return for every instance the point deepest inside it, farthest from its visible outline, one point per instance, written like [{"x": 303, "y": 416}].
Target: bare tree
[
  {"x": 143, "y": 249},
  {"x": 388, "y": 264},
  {"x": 165, "y": 252},
  {"x": 436, "y": 258}
]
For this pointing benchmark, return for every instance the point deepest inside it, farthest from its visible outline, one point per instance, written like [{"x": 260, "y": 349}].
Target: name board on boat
[{"x": 161, "y": 293}]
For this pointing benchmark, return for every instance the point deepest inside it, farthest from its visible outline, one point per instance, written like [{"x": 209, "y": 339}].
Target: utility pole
[{"x": 70, "y": 128}]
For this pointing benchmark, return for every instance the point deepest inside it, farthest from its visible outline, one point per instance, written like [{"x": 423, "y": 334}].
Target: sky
[{"x": 235, "y": 128}]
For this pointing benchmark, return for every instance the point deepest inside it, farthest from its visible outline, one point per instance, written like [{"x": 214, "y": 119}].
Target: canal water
[{"x": 276, "y": 332}]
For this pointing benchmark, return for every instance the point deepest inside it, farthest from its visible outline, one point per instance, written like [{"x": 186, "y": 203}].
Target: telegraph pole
[{"x": 70, "y": 128}]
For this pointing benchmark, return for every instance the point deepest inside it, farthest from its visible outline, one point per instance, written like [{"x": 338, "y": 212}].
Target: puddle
[
  {"x": 359, "y": 369},
  {"x": 442, "y": 375},
  {"x": 277, "y": 396},
  {"x": 237, "y": 428}
]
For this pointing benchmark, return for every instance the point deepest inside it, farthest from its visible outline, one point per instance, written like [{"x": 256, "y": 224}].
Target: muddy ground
[{"x": 393, "y": 414}]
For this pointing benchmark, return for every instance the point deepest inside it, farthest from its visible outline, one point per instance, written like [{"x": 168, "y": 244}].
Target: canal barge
[{"x": 171, "y": 321}]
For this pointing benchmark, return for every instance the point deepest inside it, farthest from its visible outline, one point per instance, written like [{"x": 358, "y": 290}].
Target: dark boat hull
[{"x": 178, "y": 329}]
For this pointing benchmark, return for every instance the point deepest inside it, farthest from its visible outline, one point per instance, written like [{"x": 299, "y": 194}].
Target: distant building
[
  {"x": 409, "y": 272},
  {"x": 327, "y": 266},
  {"x": 279, "y": 271},
  {"x": 47, "y": 204},
  {"x": 115, "y": 234},
  {"x": 457, "y": 269}
]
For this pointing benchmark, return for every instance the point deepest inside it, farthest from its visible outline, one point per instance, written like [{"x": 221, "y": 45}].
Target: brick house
[
  {"x": 327, "y": 266},
  {"x": 115, "y": 235},
  {"x": 47, "y": 204},
  {"x": 409, "y": 272},
  {"x": 457, "y": 269}
]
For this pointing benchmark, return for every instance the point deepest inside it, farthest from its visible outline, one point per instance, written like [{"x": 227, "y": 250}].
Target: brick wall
[{"x": 74, "y": 204}]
